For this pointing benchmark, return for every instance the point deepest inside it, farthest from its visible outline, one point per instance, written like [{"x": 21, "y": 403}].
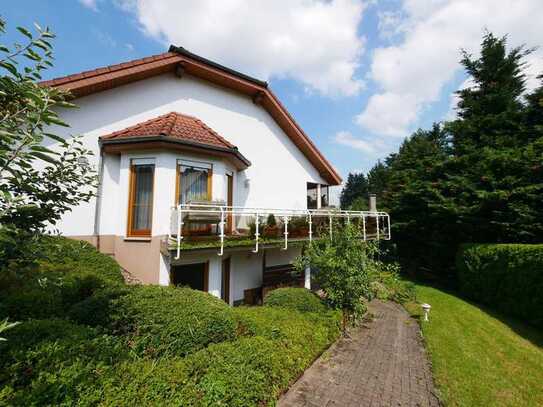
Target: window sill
[{"x": 137, "y": 238}]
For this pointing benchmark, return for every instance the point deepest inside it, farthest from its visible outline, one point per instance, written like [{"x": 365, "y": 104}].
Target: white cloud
[
  {"x": 89, "y": 4},
  {"x": 314, "y": 42},
  {"x": 347, "y": 139},
  {"x": 411, "y": 74}
]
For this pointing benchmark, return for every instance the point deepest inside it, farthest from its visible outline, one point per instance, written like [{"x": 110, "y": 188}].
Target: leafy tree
[
  {"x": 355, "y": 188},
  {"x": 37, "y": 183},
  {"x": 478, "y": 178},
  {"x": 377, "y": 179},
  {"x": 341, "y": 269}
]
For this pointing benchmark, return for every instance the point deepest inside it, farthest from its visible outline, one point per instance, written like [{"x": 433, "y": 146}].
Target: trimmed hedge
[
  {"x": 50, "y": 362},
  {"x": 507, "y": 277},
  {"x": 171, "y": 321},
  {"x": 273, "y": 348},
  {"x": 69, "y": 272},
  {"x": 300, "y": 299}
]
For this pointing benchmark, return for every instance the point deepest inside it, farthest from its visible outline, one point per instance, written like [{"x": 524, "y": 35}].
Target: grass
[{"x": 480, "y": 358}]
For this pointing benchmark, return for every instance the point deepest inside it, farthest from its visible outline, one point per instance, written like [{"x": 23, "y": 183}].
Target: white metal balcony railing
[{"x": 374, "y": 225}]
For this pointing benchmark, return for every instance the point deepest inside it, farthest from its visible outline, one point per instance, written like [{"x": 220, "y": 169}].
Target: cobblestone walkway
[{"x": 384, "y": 363}]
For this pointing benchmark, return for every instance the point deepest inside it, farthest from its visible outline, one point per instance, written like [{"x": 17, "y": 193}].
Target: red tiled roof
[
  {"x": 175, "y": 125},
  {"x": 181, "y": 61}
]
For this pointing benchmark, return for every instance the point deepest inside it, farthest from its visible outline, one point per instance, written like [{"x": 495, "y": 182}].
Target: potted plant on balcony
[
  {"x": 271, "y": 229},
  {"x": 299, "y": 227}
]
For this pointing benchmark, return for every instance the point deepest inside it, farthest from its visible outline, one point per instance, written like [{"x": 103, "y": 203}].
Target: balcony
[{"x": 203, "y": 226}]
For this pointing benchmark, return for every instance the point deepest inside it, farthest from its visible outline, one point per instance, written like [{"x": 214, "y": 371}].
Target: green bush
[
  {"x": 96, "y": 310},
  {"x": 507, "y": 277},
  {"x": 161, "y": 321},
  {"x": 311, "y": 330},
  {"x": 80, "y": 256},
  {"x": 386, "y": 283},
  {"x": 68, "y": 272},
  {"x": 49, "y": 362},
  {"x": 300, "y": 299}
]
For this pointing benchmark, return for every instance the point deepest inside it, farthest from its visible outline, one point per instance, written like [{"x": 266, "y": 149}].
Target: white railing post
[
  {"x": 285, "y": 220},
  {"x": 221, "y": 226},
  {"x": 310, "y": 227},
  {"x": 388, "y": 228},
  {"x": 377, "y": 223},
  {"x": 330, "y": 219},
  {"x": 257, "y": 233},
  {"x": 179, "y": 229}
]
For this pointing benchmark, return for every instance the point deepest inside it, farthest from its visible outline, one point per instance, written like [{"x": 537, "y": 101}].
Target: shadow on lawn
[{"x": 521, "y": 328}]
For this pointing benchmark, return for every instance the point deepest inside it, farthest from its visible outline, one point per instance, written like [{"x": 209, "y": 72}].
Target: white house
[{"x": 193, "y": 157}]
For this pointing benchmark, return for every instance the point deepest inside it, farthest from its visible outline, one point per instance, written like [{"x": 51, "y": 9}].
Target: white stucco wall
[
  {"x": 278, "y": 173},
  {"x": 246, "y": 272}
]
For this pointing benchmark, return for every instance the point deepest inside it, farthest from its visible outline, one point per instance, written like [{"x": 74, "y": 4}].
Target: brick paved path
[{"x": 384, "y": 363}]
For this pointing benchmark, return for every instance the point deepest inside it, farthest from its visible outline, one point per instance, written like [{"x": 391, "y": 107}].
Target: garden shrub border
[{"x": 506, "y": 277}]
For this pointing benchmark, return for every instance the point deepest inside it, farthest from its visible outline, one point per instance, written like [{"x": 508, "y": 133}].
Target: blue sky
[{"x": 359, "y": 76}]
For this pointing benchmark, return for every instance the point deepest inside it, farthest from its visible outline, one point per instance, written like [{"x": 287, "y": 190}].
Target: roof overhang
[
  {"x": 161, "y": 142},
  {"x": 179, "y": 59}
]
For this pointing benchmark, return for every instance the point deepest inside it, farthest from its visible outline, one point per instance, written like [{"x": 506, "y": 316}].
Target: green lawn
[{"x": 480, "y": 358}]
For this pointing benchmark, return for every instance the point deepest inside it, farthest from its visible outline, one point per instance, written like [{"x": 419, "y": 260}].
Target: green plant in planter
[
  {"x": 272, "y": 228},
  {"x": 299, "y": 227},
  {"x": 252, "y": 227},
  {"x": 271, "y": 220}
]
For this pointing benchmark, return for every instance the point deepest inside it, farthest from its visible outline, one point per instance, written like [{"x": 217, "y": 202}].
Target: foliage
[
  {"x": 386, "y": 283},
  {"x": 479, "y": 358},
  {"x": 272, "y": 350},
  {"x": 49, "y": 362},
  {"x": 300, "y": 299},
  {"x": 270, "y": 221},
  {"x": 96, "y": 310},
  {"x": 37, "y": 183},
  {"x": 68, "y": 272},
  {"x": 171, "y": 321},
  {"x": 507, "y": 277},
  {"x": 340, "y": 268},
  {"x": 5, "y": 325},
  {"x": 478, "y": 178}
]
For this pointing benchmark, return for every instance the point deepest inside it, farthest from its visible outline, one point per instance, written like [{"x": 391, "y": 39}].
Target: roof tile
[{"x": 175, "y": 125}]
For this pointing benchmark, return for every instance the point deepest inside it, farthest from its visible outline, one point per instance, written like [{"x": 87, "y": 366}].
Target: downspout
[{"x": 98, "y": 206}]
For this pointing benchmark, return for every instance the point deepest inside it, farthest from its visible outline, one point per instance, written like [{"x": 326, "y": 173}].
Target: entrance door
[
  {"x": 225, "y": 281},
  {"x": 230, "y": 202},
  {"x": 191, "y": 275}
]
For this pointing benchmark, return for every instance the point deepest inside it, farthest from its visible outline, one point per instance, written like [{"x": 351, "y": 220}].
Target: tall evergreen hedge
[{"x": 506, "y": 277}]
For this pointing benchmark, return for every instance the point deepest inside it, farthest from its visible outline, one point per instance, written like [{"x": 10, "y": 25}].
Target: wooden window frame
[{"x": 130, "y": 232}]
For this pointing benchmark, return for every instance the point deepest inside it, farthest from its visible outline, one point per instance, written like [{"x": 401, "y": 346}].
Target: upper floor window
[
  {"x": 325, "y": 201},
  {"x": 312, "y": 195},
  {"x": 194, "y": 182},
  {"x": 317, "y": 196},
  {"x": 140, "y": 204}
]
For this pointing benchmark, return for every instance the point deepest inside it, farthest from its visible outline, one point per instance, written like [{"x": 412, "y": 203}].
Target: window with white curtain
[
  {"x": 141, "y": 197},
  {"x": 194, "y": 182}
]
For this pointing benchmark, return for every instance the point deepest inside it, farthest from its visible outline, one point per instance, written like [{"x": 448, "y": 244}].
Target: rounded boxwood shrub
[
  {"x": 250, "y": 371},
  {"x": 171, "y": 321},
  {"x": 49, "y": 362},
  {"x": 80, "y": 256},
  {"x": 69, "y": 272},
  {"x": 300, "y": 299},
  {"x": 96, "y": 310}
]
